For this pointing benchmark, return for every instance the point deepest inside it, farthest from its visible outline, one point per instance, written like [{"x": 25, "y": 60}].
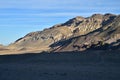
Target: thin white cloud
[
  {"x": 34, "y": 3},
  {"x": 56, "y": 4},
  {"x": 44, "y": 14}
]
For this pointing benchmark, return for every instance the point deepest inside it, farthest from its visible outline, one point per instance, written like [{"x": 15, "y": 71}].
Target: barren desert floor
[{"x": 88, "y": 65}]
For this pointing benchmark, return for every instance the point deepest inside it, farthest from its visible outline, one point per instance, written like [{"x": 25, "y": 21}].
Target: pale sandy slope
[{"x": 15, "y": 51}]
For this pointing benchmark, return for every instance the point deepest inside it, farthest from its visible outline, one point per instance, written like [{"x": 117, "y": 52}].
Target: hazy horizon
[{"x": 17, "y": 18}]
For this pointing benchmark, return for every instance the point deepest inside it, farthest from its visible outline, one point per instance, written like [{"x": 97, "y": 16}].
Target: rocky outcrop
[{"x": 81, "y": 26}]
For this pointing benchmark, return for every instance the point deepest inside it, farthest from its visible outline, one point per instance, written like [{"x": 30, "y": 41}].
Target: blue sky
[{"x": 19, "y": 17}]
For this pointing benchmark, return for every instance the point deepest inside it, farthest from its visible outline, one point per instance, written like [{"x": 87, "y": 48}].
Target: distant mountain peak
[
  {"x": 97, "y": 16},
  {"x": 109, "y": 14}
]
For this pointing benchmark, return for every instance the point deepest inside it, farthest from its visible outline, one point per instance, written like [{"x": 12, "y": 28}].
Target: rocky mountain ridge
[
  {"x": 73, "y": 34},
  {"x": 106, "y": 37}
]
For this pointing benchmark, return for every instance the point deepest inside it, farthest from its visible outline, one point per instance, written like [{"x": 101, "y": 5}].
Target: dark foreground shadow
[{"x": 86, "y": 65}]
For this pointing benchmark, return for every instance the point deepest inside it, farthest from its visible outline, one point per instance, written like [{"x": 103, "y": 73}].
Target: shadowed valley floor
[{"x": 87, "y": 65}]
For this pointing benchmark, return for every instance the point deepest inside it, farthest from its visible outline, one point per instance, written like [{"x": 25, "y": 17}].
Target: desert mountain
[
  {"x": 107, "y": 37},
  {"x": 78, "y": 33}
]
